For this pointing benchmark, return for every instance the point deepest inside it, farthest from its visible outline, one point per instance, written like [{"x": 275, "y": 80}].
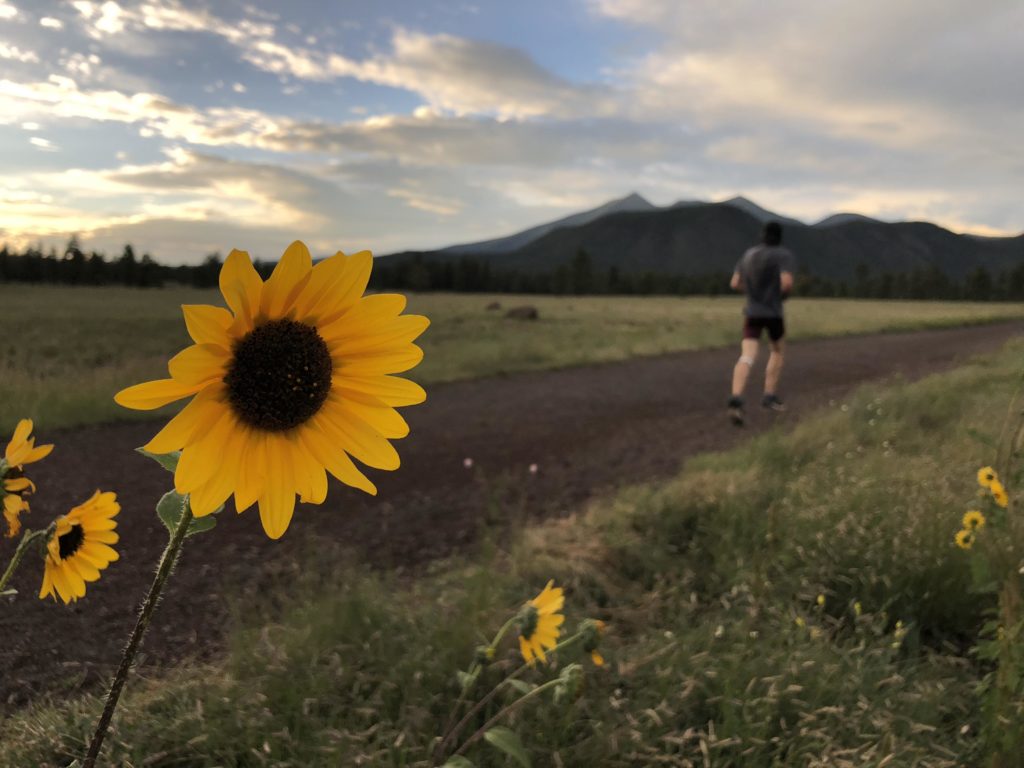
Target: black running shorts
[{"x": 753, "y": 327}]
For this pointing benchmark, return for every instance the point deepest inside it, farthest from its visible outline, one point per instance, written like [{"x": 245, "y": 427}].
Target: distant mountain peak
[
  {"x": 761, "y": 214},
  {"x": 631, "y": 203},
  {"x": 844, "y": 218},
  {"x": 634, "y": 198}
]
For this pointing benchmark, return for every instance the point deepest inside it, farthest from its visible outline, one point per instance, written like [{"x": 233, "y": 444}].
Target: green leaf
[
  {"x": 202, "y": 524},
  {"x": 506, "y": 740},
  {"x": 457, "y": 761},
  {"x": 168, "y": 461},
  {"x": 9, "y": 593},
  {"x": 169, "y": 510},
  {"x": 521, "y": 686}
]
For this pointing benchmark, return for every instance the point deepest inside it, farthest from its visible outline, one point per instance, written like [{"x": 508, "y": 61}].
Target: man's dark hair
[{"x": 772, "y": 234}]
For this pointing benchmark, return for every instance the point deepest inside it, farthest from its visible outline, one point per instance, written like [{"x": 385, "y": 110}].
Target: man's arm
[
  {"x": 736, "y": 284},
  {"x": 786, "y": 283}
]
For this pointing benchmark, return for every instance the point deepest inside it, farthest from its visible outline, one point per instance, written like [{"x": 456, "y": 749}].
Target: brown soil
[{"x": 587, "y": 429}]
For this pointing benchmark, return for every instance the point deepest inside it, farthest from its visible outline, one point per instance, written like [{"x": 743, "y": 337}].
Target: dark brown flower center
[
  {"x": 70, "y": 542},
  {"x": 280, "y": 375}
]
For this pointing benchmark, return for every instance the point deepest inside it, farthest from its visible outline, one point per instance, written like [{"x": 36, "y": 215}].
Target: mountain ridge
[{"x": 695, "y": 238}]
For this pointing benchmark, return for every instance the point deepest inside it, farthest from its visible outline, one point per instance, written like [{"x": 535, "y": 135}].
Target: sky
[{"x": 192, "y": 127}]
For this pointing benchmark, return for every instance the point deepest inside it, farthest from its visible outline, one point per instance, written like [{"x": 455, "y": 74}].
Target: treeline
[
  {"x": 471, "y": 275},
  {"x": 416, "y": 272},
  {"x": 74, "y": 266}
]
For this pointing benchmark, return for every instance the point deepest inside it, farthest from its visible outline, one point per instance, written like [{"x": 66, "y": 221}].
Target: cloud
[
  {"x": 61, "y": 97},
  {"x": 450, "y": 73},
  {"x": 449, "y": 141},
  {"x": 474, "y": 77},
  {"x": 12, "y": 52},
  {"x": 850, "y": 68}
]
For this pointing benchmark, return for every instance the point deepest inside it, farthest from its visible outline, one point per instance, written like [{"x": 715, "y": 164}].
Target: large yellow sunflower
[
  {"x": 80, "y": 547},
  {"x": 288, "y": 384},
  {"x": 540, "y": 623},
  {"x": 21, "y": 450}
]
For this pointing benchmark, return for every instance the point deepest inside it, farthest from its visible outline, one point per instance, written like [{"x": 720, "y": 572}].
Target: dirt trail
[{"x": 587, "y": 429}]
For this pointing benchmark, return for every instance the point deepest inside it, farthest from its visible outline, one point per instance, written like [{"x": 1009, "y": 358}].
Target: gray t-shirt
[{"x": 759, "y": 271}]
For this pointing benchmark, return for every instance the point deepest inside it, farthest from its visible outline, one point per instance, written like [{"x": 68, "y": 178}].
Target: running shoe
[
  {"x": 736, "y": 411},
  {"x": 772, "y": 403}
]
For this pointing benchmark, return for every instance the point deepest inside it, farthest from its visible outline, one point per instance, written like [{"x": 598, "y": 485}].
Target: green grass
[
  {"x": 67, "y": 350},
  {"x": 719, "y": 653}
]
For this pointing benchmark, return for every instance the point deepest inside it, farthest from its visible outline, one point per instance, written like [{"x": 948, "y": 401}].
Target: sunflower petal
[
  {"x": 46, "y": 590},
  {"x": 386, "y": 390},
  {"x": 17, "y": 484},
  {"x": 334, "y": 459},
  {"x": 392, "y": 361},
  {"x": 526, "y": 650},
  {"x": 199, "y": 364},
  {"x": 206, "y": 324},
  {"x": 21, "y": 433},
  {"x": 316, "y": 492},
  {"x": 385, "y": 421},
  {"x": 100, "y": 550},
  {"x": 357, "y": 438},
  {"x": 154, "y": 394},
  {"x": 277, "y": 504},
  {"x": 364, "y": 316},
  {"x": 37, "y": 453},
  {"x": 202, "y": 459},
  {"x": 251, "y": 471},
  {"x": 63, "y": 585},
  {"x": 287, "y": 281},
  {"x": 241, "y": 286},
  {"x": 335, "y": 286},
  {"x": 389, "y": 334},
  {"x": 177, "y": 432},
  {"x": 20, "y": 445}
]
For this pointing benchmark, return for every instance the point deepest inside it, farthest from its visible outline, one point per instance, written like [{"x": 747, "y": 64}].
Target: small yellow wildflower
[
  {"x": 965, "y": 539},
  {"x": 800, "y": 622},
  {"x": 973, "y": 520},
  {"x": 858, "y": 609},
  {"x": 540, "y": 623},
  {"x": 80, "y": 547},
  {"x": 999, "y": 494},
  {"x": 987, "y": 476},
  {"x": 821, "y": 601},
  {"x": 14, "y": 486}
]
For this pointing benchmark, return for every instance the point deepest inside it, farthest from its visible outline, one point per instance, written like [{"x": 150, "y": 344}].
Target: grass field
[
  {"x": 67, "y": 350},
  {"x": 720, "y": 652}
]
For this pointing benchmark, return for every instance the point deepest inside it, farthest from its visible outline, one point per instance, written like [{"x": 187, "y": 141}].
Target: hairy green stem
[
  {"x": 454, "y": 732},
  {"x": 474, "y": 671},
  {"x": 19, "y": 553},
  {"x": 504, "y": 711},
  {"x": 167, "y": 561}
]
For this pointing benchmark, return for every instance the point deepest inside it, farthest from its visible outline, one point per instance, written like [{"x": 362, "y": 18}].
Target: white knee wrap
[{"x": 746, "y": 360}]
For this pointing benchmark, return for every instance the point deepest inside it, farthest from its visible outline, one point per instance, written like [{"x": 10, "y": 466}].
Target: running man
[{"x": 765, "y": 275}]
